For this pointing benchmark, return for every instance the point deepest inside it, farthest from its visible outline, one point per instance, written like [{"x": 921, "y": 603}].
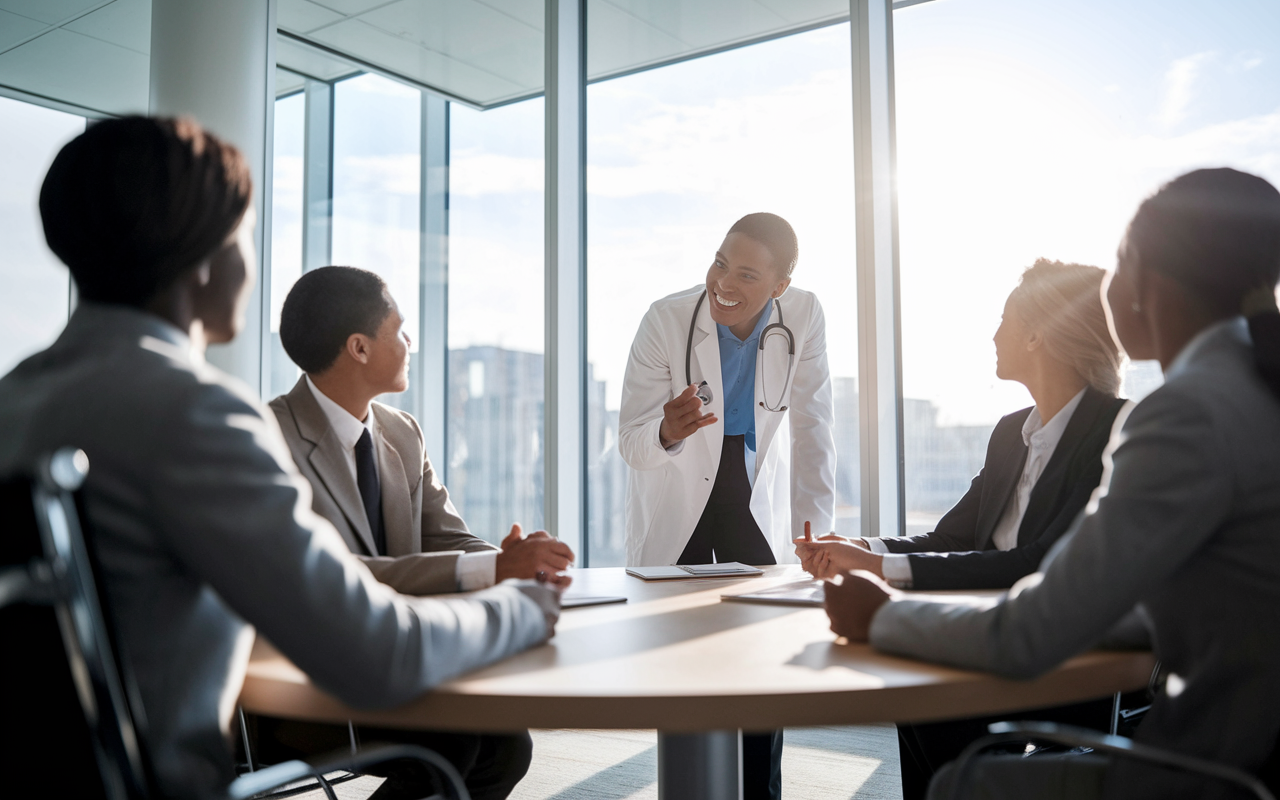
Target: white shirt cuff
[
  {"x": 897, "y": 569},
  {"x": 673, "y": 450},
  {"x": 876, "y": 545},
  {"x": 477, "y": 570}
]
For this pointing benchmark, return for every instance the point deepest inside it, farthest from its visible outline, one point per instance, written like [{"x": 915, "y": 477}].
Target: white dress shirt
[
  {"x": 474, "y": 570},
  {"x": 1041, "y": 439}
]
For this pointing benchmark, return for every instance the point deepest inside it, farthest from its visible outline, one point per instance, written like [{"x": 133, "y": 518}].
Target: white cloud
[{"x": 1179, "y": 87}]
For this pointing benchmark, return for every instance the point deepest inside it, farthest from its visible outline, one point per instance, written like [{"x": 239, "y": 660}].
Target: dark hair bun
[{"x": 133, "y": 203}]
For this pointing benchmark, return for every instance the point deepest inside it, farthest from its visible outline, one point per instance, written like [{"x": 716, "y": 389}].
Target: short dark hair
[
  {"x": 132, "y": 204},
  {"x": 324, "y": 308},
  {"x": 775, "y": 234}
]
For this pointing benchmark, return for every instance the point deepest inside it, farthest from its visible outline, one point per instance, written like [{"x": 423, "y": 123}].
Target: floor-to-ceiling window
[
  {"x": 1031, "y": 130},
  {"x": 496, "y": 317},
  {"x": 36, "y": 296},
  {"x": 377, "y": 179},
  {"x": 286, "y": 230},
  {"x": 675, "y": 156}
]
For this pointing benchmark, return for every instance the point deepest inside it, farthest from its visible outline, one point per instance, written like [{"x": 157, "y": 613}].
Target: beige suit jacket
[{"x": 425, "y": 534}]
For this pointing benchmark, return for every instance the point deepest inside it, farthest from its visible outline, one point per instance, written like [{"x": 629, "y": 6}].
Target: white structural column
[
  {"x": 876, "y": 211},
  {"x": 216, "y": 62},
  {"x": 317, "y": 176},
  {"x": 565, "y": 409},
  {"x": 433, "y": 308}
]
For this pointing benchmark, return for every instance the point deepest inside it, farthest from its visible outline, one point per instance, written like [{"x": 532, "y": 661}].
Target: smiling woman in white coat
[{"x": 726, "y": 422}]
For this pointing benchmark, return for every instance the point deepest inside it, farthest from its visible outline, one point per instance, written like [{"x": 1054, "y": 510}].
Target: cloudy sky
[{"x": 1025, "y": 129}]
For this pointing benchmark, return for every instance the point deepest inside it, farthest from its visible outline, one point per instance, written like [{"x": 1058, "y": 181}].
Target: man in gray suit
[
  {"x": 341, "y": 326},
  {"x": 201, "y": 522},
  {"x": 371, "y": 477}
]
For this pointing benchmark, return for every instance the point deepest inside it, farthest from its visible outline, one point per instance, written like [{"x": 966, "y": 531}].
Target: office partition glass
[
  {"x": 36, "y": 297},
  {"x": 286, "y": 230},
  {"x": 1031, "y": 130},
  {"x": 377, "y": 184},
  {"x": 495, "y": 469},
  {"x": 675, "y": 156}
]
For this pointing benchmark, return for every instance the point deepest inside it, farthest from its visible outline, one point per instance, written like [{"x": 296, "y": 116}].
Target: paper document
[
  {"x": 729, "y": 569},
  {"x": 796, "y": 593}
]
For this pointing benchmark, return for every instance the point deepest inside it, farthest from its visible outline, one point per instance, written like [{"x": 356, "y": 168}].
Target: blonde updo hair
[{"x": 1064, "y": 303}]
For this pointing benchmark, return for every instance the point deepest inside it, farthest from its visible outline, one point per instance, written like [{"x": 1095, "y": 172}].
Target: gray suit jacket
[
  {"x": 1187, "y": 524},
  {"x": 425, "y": 535},
  {"x": 204, "y": 528}
]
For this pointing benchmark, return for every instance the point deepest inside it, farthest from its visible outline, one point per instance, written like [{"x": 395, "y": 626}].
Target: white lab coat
[{"x": 795, "y": 464}]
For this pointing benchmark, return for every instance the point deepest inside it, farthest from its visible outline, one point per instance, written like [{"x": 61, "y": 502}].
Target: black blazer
[{"x": 959, "y": 552}]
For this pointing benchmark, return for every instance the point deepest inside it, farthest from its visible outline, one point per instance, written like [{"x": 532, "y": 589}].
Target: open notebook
[{"x": 729, "y": 569}]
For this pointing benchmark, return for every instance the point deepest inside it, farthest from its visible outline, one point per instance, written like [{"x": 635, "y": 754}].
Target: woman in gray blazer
[
  {"x": 1183, "y": 535},
  {"x": 202, "y": 524}
]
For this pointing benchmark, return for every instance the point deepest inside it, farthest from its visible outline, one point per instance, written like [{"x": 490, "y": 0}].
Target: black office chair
[
  {"x": 1083, "y": 740},
  {"x": 72, "y": 724}
]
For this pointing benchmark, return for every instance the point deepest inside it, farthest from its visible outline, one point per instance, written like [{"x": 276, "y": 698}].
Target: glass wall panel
[
  {"x": 496, "y": 317},
  {"x": 286, "y": 228},
  {"x": 36, "y": 296},
  {"x": 676, "y": 155},
  {"x": 1031, "y": 130},
  {"x": 376, "y": 193}
]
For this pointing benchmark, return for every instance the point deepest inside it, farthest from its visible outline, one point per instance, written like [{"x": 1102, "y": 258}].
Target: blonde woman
[{"x": 1042, "y": 462}]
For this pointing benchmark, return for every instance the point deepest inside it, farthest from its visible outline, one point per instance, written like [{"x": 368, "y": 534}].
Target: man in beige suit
[
  {"x": 342, "y": 327},
  {"x": 372, "y": 479}
]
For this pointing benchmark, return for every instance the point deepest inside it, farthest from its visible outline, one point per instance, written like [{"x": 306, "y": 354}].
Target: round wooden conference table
[{"x": 677, "y": 658}]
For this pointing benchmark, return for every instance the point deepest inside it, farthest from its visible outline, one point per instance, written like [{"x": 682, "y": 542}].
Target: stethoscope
[{"x": 772, "y": 329}]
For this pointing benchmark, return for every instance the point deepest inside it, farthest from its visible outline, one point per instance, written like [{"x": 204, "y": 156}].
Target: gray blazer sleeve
[
  {"x": 1170, "y": 488},
  {"x": 238, "y": 515}
]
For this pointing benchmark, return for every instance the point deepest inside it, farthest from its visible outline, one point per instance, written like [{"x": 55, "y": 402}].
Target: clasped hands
[
  {"x": 855, "y": 588},
  {"x": 537, "y": 556}
]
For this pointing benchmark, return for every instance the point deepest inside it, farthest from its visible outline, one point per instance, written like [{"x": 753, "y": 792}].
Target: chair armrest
[
  {"x": 1072, "y": 736},
  {"x": 255, "y": 783}
]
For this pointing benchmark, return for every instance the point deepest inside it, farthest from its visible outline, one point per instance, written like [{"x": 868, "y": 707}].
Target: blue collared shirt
[{"x": 738, "y": 373}]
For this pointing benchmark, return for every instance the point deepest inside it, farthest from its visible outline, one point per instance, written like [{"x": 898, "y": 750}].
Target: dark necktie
[{"x": 370, "y": 492}]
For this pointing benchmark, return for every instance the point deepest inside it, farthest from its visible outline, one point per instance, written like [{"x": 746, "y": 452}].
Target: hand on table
[
  {"x": 853, "y": 601},
  {"x": 682, "y": 417},
  {"x": 537, "y": 556},
  {"x": 547, "y": 596}
]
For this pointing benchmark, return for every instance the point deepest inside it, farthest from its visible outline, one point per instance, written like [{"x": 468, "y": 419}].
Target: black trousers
[
  {"x": 490, "y": 764},
  {"x": 727, "y": 532}
]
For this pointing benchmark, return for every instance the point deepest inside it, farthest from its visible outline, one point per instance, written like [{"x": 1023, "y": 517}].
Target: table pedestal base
[{"x": 700, "y": 766}]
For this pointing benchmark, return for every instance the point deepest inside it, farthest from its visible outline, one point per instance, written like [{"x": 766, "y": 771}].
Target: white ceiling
[
  {"x": 488, "y": 52},
  {"x": 89, "y": 53}
]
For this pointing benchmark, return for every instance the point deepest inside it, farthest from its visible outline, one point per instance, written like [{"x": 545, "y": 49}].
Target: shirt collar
[
  {"x": 1237, "y": 327},
  {"x": 1053, "y": 429},
  {"x": 347, "y": 427},
  {"x": 725, "y": 333}
]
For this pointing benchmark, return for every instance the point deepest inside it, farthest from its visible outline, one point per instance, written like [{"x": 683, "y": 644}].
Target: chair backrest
[{"x": 67, "y": 728}]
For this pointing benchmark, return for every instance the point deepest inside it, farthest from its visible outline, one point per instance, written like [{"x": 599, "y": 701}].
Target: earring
[{"x": 1137, "y": 309}]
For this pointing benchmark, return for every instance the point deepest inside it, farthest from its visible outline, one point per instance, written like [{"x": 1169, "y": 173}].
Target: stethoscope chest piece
[{"x": 704, "y": 393}]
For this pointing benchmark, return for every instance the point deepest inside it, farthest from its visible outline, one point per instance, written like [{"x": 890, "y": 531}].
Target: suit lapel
[
  {"x": 330, "y": 462},
  {"x": 397, "y": 511},
  {"x": 1002, "y": 475},
  {"x": 1047, "y": 489}
]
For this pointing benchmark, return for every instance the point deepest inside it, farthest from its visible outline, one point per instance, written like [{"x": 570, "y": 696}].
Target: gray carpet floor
[{"x": 817, "y": 764}]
